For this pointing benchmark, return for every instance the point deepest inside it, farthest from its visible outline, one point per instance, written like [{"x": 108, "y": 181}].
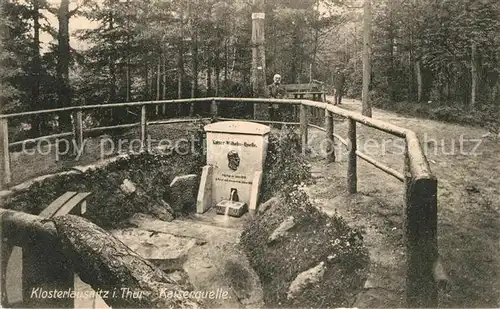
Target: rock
[
  {"x": 471, "y": 188},
  {"x": 305, "y": 279},
  {"x": 281, "y": 230},
  {"x": 183, "y": 193},
  {"x": 162, "y": 211},
  {"x": 268, "y": 204},
  {"x": 128, "y": 187}
]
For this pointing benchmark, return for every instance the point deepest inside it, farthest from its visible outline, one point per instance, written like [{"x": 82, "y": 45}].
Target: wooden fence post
[
  {"x": 352, "y": 177},
  {"x": 191, "y": 109},
  {"x": 5, "y": 173},
  {"x": 143, "y": 127},
  {"x": 4, "y": 250},
  {"x": 421, "y": 241},
  {"x": 214, "y": 110},
  {"x": 77, "y": 131},
  {"x": 303, "y": 127},
  {"x": 330, "y": 149}
]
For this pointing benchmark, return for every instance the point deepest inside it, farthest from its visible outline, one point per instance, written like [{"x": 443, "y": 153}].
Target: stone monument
[{"x": 236, "y": 152}]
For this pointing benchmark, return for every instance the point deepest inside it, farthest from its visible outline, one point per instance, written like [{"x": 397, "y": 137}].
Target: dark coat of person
[
  {"x": 339, "y": 81},
  {"x": 276, "y": 91}
]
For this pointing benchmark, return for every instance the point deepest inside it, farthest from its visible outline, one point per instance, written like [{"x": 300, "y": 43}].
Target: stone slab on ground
[
  {"x": 157, "y": 246},
  {"x": 216, "y": 266},
  {"x": 207, "y": 251},
  {"x": 202, "y": 231}
]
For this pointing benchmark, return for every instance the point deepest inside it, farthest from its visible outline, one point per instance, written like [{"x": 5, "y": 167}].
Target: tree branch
[
  {"x": 78, "y": 7},
  {"x": 51, "y": 10}
]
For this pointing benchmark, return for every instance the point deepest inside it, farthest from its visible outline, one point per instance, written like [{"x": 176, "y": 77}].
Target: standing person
[
  {"x": 276, "y": 91},
  {"x": 339, "y": 84}
]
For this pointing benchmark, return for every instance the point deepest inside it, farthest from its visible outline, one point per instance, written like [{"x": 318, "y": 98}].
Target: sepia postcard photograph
[{"x": 253, "y": 154}]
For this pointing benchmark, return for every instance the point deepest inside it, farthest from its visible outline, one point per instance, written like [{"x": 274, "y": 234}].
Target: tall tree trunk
[
  {"x": 158, "y": 79},
  {"x": 411, "y": 65},
  {"x": 180, "y": 71},
  {"x": 151, "y": 82},
  {"x": 226, "y": 59},
  {"x": 315, "y": 48},
  {"x": 180, "y": 59},
  {"x": 367, "y": 29},
  {"x": 194, "y": 86},
  {"x": 474, "y": 76},
  {"x": 128, "y": 79},
  {"x": 35, "y": 73},
  {"x": 355, "y": 47},
  {"x": 233, "y": 64},
  {"x": 194, "y": 83},
  {"x": 64, "y": 95},
  {"x": 146, "y": 83},
  {"x": 164, "y": 106},
  {"x": 391, "y": 60},
  {"x": 158, "y": 84},
  {"x": 295, "y": 56},
  {"x": 418, "y": 71},
  {"x": 310, "y": 73},
  {"x": 112, "y": 69},
  {"x": 128, "y": 57},
  {"x": 217, "y": 64},
  {"x": 209, "y": 71}
]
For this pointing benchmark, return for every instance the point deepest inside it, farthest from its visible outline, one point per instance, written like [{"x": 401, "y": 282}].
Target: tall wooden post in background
[
  {"x": 5, "y": 175},
  {"x": 367, "y": 46},
  {"x": 259, "y": 58}
]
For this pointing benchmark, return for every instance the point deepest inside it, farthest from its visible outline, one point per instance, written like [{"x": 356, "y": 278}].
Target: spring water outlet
[{"x": 233, "y": 197}]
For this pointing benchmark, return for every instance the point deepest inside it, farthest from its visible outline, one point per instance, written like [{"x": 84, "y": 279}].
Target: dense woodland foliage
[{"x": 444, "y": 52}]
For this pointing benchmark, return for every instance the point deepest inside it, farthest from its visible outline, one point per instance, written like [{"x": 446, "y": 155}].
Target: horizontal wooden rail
[
  {"x": 381, "y": 166},
  {"x": 316, "y": 127},
  {"x": 118, "y": 126},
  {"x": 259, "y": 100},
  {"x": 418, "y": 164},
  {"x": 341, "y": 139},
  {"x": 103, "y": 106},
  {"x": 46, "y": 137},
  {"x": 158, "y": 122},
  {"x": 367, "y": 158},
  {"x": 307, "y": 92},
  {"x": 261, "y": 121},
  {"x": 367, "y": 121}
]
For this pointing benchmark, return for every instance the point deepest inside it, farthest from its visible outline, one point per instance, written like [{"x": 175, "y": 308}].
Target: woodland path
[{"x": 467, "y": 166}]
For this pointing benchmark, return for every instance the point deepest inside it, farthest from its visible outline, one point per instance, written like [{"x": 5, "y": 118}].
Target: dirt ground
[{"x": 467, "y": 167}]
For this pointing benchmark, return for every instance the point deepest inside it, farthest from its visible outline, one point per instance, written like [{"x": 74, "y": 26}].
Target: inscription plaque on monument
[{"x": 236, "y": 152}]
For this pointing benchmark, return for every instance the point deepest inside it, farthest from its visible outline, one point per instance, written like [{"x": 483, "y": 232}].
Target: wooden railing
[{"x": 424, "y": 270}]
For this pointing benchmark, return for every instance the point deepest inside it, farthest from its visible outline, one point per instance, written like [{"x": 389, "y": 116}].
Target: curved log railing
[{"x": 424, "y": 270}]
